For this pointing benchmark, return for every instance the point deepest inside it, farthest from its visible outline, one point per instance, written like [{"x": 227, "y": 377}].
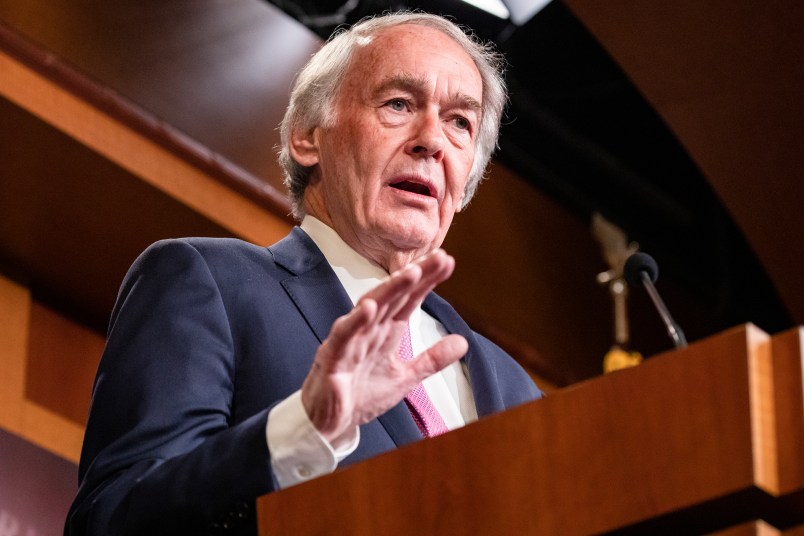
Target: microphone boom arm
[{"x": 673, "y": 329}]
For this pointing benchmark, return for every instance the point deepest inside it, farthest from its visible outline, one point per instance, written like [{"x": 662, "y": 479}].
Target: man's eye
[
  {"x": 397, "y": 105},
  {"x": 462, "y": 123}
]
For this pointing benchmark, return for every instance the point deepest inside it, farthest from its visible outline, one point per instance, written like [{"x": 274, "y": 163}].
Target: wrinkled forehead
[
  {"x": 396, "y": 40},
  {"x": 412, "y": 49}
]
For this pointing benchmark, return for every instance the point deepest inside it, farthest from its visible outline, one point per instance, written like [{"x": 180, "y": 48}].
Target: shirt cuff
[{"x": 298, "y": 452}]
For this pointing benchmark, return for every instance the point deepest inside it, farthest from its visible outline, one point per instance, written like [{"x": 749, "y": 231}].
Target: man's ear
[{"x": 304, "y": 147}]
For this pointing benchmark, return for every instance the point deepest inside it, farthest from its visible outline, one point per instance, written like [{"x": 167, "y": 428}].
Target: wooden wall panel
[
  {"x": 61, "y": 363},
  {"x": 18, "y": 414},
  {"x": 15, "y": 303},
  {"x": 138, "y": 154}
]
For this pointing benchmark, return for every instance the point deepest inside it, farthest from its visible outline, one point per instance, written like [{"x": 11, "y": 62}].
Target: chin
[
  {"x": 412, "y": 238},
  {"x": 409, "y": 231}
]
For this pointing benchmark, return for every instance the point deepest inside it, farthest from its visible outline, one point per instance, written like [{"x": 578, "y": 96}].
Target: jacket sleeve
[{"x": 161, "y": 455}]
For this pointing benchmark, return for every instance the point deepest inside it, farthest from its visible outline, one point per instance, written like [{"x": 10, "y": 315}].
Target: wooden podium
[{"x": 710, "y": 438}]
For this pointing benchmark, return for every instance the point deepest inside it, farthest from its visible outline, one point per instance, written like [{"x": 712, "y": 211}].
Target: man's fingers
[
  {"x": 442, "y": 354},
  {"x": 393, "y": 290},
  {"x": 365, "y": 331},
  {"x": 346, "y": 327},
  {"x": 439, "y": 266},
  {"x": 404, "y": 290}
]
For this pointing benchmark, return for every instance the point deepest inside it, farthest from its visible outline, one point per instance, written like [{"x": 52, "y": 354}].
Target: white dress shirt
[{"x": 298, "y": 451}]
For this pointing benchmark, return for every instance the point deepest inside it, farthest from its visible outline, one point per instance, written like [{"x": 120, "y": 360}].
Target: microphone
[{"x": 641, "y": 268}]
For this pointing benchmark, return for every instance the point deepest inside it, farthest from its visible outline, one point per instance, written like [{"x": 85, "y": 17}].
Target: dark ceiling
[{"x": 578, "y": 129}]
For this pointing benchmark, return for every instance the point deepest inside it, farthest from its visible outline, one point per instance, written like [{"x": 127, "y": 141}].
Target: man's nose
[{"x": 427, "y": 138}]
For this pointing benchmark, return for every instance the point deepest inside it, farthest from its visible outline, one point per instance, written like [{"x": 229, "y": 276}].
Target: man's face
[{"x": 392, "y": 169}]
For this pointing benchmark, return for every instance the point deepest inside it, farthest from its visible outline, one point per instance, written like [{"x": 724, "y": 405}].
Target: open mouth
[{"x": 414, "y": 187}]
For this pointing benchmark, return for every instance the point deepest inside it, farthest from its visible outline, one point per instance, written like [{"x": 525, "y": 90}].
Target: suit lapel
[
  {"x": 312, "y": 285},
  {"x": 321, "y": 299},
  {"x": 399, "y": 424},
  {"x": 482, "y": 374}
]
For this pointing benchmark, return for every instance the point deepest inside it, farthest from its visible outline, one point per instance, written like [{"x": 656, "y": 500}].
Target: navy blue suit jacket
[{"x": 206, "y": 336}]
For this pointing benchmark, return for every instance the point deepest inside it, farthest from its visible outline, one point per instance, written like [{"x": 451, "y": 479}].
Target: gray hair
[{"x": 317, "y": 85}]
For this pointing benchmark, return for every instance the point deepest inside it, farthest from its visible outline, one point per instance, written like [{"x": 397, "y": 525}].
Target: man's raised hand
[{"x": 357, "y": 374}]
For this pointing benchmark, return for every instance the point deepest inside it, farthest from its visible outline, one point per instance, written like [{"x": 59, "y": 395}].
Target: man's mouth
[{"x": 414, "y": 187}]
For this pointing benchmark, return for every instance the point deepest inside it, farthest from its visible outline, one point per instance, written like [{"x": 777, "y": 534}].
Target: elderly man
[{"x": 232, "y": 370}]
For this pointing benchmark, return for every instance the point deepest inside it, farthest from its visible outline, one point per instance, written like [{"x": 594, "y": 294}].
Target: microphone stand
[{"x": 673, "y": 329}]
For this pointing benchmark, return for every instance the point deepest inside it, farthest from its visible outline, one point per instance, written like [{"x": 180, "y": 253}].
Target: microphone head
[{"x": 640, "y": 262}]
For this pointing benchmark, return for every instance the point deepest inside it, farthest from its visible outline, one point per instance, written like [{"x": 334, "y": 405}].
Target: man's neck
[
  {"x": 386, "y": 256},
  {"x": 357, "y": 274}
]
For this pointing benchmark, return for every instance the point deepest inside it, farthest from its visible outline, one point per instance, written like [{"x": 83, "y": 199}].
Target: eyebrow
[{"x": 418, "y": 86}]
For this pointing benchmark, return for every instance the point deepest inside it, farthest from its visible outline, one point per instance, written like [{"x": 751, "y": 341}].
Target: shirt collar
[{"x": 356, "y": 273}]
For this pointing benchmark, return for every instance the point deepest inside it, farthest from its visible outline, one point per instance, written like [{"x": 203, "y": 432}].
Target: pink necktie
[{"x": 421, "y": 407}]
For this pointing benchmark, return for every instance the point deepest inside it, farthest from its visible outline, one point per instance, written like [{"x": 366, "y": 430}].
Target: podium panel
[{"x": 695, "y": 440}]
